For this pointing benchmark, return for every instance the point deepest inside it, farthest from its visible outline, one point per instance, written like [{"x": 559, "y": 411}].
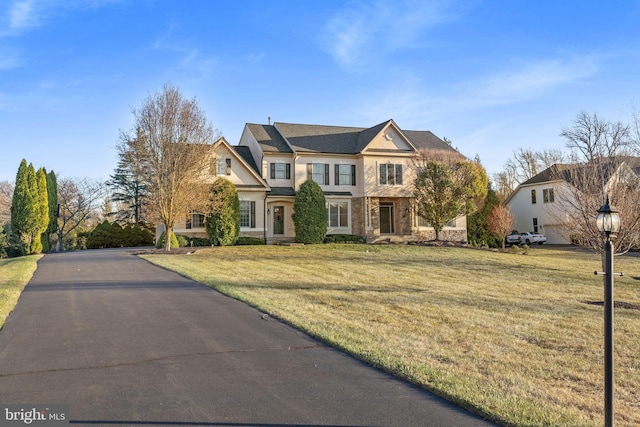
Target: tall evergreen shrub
[
  {"x": 223, "y": 222},
  {"x": 30, "y": 207},
  {"x": 310, "y": 213}
]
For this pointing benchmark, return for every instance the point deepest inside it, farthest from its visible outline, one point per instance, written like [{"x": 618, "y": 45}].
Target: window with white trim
[
  {"x": 318, "y": 172},
  {"x": 345, "y": 174},
  {"x": 280, "y": 170},
  {"x": 195, "y": 220},
  {"x": 548, "y": 196},
  {"x": 337, "y": 214},
  {"x": 390, "y": 174},
  {"x": 247, "y": 214},
  {"x": 224, "y": 167}
]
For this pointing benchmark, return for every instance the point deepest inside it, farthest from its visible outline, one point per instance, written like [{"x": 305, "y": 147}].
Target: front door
[
  {"x": 278, "y": 220},
  {"x": 386, "y": 218}
]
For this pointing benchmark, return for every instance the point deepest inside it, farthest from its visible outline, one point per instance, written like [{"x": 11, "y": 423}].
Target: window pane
[
  {"x": 398, "y": 174},
  {"x": 245, "y": 213},
  {"x": 344, "y": 175},
  {"x": 318, "y": 173},
  {"x": 344, "y": 214},
  {"x": 391, "y": 180},
  {"x": 197, "y": 220},
  {"x": 281, "y": 170},
  {"x": 383, "y": 174},
  {"x": 333, "y": 214}
]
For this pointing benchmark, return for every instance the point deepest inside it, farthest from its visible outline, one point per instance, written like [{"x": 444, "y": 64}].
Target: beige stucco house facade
[{"x": 366, "y": 175}]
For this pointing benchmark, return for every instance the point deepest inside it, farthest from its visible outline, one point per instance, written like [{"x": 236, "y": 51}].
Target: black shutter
[
  {"x": 288, "y": 171},
  {"x": 398, "y": 174},
  {"x": 326, "y": 174},
  {"x": 272, "y": 166},
  {"x": 353, "y": 174},
  {"x": 337, "y": 169},
  {"x": 228, "y": 162},
  {"x": 253, "y": 214}
]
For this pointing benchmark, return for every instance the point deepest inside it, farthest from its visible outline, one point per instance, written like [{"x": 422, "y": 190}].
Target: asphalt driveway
[{"x": 124, "y": 342}]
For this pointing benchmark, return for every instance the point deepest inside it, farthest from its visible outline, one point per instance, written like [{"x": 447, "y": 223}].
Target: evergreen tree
[
  {"x": 223, "y": 222},
  {"x": 129, "y": 188},
  {"x": 477, "y": 225},
  {"x": 23, "y": 206},
  {"x": 20, "y": 204},
  {"x": 52, "y": 193},
  {"x": 310, "y": 213},
  {"x": 41, "y": 220},
  {"x": 30, "y": 207}
]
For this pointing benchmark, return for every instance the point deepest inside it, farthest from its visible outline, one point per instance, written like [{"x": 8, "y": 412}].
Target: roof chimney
[{"x": 269, "y": 118}]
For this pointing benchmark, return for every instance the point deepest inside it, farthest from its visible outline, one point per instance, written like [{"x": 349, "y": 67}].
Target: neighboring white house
[
  {"x": 535, "y": 208},
  {"x": 545, "y": 203},
  {"x": 366, "y": 175}
]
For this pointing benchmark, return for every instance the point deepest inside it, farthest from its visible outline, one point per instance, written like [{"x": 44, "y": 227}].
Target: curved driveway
[{"x": 124, "y": 342}]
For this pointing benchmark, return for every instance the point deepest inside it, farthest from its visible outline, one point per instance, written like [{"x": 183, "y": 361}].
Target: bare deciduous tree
[
  {"x": 500, "y": 222},
  {"x": 524, "y": 165},
  {"x": 592, "y": 137},
  {"x": 80, "y": 202},
  {"x": 600, "y": 166},
  {"x": 6, "y": 194},
  {"x": 172, "y": 137}
]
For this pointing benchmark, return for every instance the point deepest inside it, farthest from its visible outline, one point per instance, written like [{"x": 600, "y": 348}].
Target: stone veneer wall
[
  {"x": 358, "y": 219},
  {"x": 445, "y": 235}
]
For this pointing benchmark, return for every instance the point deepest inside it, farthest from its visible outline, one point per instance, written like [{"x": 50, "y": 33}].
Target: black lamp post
[{"x": 608, "y": 222}]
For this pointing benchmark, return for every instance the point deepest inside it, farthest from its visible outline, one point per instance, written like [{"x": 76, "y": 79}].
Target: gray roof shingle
[
  {"x": 269, "y": 138},
  {"x": 332, "y": 139}
]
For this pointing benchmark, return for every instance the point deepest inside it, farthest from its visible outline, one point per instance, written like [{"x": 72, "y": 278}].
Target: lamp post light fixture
[{"x": 608, "y": 223}]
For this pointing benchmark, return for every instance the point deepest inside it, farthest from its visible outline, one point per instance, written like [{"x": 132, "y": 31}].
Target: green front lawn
[{"x": 517, "y": 338}]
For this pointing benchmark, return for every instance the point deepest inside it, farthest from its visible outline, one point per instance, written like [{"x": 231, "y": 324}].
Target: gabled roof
[
  {"x": 367, "y": 135},
  {"x": 245, "y": 153},
  {"x": 241, "y": 155},
  {"x": 292, "y": 137}
]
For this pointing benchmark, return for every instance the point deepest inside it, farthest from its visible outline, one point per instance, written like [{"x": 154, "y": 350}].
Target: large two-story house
[{"x": 366, "y": 175}]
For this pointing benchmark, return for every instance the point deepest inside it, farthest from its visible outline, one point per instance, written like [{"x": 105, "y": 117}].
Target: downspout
[{"x": 264, "y": 222}]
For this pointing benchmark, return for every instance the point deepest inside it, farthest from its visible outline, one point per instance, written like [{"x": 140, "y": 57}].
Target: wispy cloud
[
  {"x": 18, "y": 16},
  {"x": 529, "y": 80},
  {"x": 362, "y": 31},
  {"x": 192, "y": 60},
  {"x": 410, "y": 99}
]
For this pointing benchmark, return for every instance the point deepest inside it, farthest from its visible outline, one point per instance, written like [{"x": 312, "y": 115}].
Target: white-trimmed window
[
  {"x": 390, "y": 174},
  {"x": 224, "y": 167},
  {"x": 280, "y": 170},
  {"x": 247, "y": 214},
  {"x": 195, "y": 220},
  {"x": 345, "y": 174},
  {"x": 548, "y": 196},
  {"x": 318, "y": 172},
  {"x": 337, "y": 214}
]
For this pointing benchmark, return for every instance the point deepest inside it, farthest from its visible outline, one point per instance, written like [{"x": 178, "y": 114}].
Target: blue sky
[{"x": 492, "y": 76}]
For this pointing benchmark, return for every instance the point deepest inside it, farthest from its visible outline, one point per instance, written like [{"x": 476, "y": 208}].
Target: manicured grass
[
  {"x": 15, "y": 273},
  {"x": 510, "y": 336}
]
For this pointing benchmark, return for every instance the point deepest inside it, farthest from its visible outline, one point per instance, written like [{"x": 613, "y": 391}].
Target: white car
[{"x": 527, "y": 238}]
